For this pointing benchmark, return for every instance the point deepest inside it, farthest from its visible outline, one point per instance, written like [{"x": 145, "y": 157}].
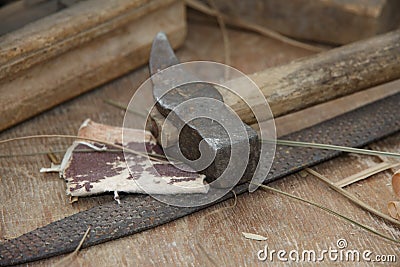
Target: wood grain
[
  {"x": 325, "y": 76},
  {"x": 95, "y": 62},
  {"x": 309, "y": 81},
  {"x": 331, "y": 21},
  {"x": 30, "y": 199},
  {"x": 291, "y": 122},
  {"x": 51, "y": 36},
  {"x": 19, "y": 13}
]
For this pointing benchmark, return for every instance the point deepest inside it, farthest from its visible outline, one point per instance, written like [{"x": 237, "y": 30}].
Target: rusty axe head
[{"x": 212, "y": 138}]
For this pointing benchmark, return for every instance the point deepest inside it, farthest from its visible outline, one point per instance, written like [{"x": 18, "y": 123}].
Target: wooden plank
[
  {"x": 383, "y": 166},
  {"x": 294, "y": 121},
  {"x": 30, "y": 199},
  {"x": 20, "y": 13},
  {"x": 310, "y": 116},
  {"x": 89, "y": 65},
  {"x": 51, "y": 36},
  {"x": 331, "y": 21},
  {"x": 322, "y": 77},
  {"x": 311, "y": 81}
]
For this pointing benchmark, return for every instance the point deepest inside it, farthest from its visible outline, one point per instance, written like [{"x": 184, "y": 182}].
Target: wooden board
[
  {"x": 73, "y": 51},
  {"x": 331, "y": 21},
  {"x": 30, "y": 199},
  {"x": 16, "y": 14},
  {"x": 308, "y": 81}
]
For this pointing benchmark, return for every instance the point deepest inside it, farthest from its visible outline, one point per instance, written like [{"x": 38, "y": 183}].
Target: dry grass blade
[
  {"x": 71, "y": 259},
  {"x": 383, "y": 166},
  {"x": 122, "y": 107},
  {"x": 221, "y": 23},
  {"x": 352, "y": 198},
  {"x": 55, "y": 152},
  {"x": 239, "y": 23},
  {"x": 155, "y": 158},
  {"x": 335, "y": 147},
  {"x": 365, "y": 227}
]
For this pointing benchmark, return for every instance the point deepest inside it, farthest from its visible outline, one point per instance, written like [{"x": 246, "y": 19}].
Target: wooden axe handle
[
  {"x": 312, "y": 80},
  {"x": 325, "y": 76}
]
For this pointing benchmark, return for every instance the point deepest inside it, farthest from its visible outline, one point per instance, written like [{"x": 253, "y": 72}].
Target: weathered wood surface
[
  {"x": 332, "y": 21},
  {"x": 63, "y": 31},
  {"x": 311, "y": 80},
  {"x": 325, "y": 76},
  {"x": 167, "y": 134},
  {"x": 30, "y": 199},
  {"x": 68, "y": 53},
  {"x": 325, "y": 111},
  {"x": 19, "y": 13}
]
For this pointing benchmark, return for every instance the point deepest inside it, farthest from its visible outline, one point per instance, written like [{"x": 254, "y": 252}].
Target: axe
[{"x": 288, "y": 88}]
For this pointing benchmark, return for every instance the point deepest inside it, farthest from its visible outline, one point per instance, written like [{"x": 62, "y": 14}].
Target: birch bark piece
[{"x": 99, "y": 171}]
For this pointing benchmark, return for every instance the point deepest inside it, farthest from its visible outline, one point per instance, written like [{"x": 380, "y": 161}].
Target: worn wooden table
[{"x": 30, "y": 199}]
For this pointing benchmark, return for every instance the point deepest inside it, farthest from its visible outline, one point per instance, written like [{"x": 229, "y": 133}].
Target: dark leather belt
[{"x": 139, "y": 212}]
